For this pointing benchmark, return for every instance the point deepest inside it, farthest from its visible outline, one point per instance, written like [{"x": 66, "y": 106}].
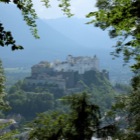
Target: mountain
[
  {"x": 58, "y": 38},
  {"x": 85, "y": 34},
  {"x": 52, "y": 45}
]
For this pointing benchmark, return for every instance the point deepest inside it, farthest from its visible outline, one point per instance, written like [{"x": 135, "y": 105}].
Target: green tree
[
  {"x": 80, "y": 123},
  {"x": 84, "y": 117},
  {"x": 7, "y": 136},
  {"x": 48, "y": 126},
  {"x": 122, "y": 19},
  {"x": 3, "y": 106},
  {"x": 3, "y": 103}
]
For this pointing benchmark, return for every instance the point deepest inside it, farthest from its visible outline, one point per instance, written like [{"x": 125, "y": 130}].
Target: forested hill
[{"x": 35, "y": 94}]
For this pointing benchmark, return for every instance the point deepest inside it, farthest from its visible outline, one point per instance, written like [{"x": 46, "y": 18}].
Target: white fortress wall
[
  {"x": 80, "y": 64},
  {"x": 40, "y": 72}
]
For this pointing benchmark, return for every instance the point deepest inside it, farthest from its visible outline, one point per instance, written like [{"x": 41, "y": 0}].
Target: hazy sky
[{"x": 79, "y": 7}]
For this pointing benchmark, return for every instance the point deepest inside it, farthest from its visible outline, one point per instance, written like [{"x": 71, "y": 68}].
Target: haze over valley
[{"x": 59, "y": 38}]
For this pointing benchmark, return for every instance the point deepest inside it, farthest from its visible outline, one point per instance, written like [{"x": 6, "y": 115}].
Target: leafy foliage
[
  {"x": 121, "y": 18},
  {"x": 134, "y": 109},
  {"x": 78, "y": 124},
  {"x": 65, "y": 4},
  {"x": 3, "y": 103},
  {"x": 8, "y": 135},
  {"x": 4, "y": 106},
  {"x": 48, "y": 126},
  {"x": 6, "y": 39},
  {"x": 30, "y": 17},
  {"x": 29, "y": 14},
  {"x": 29, "y": 103}
]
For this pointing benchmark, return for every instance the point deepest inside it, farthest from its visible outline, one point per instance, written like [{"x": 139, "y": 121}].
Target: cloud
[{"x": 79, "y": 7}]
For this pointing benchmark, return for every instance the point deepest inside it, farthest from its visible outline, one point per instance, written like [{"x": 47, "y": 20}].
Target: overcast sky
[{"x": 79, "y": 7}]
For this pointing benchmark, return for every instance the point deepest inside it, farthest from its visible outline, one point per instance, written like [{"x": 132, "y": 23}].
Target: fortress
[
  {"x": 79, "y": 64},
  {"x": 64, "y": 74}
]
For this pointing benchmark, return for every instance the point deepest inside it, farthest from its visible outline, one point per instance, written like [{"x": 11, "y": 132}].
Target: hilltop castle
[
  {"x": 80, "y": 64},
  {"x": 64, "y": 74}
]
